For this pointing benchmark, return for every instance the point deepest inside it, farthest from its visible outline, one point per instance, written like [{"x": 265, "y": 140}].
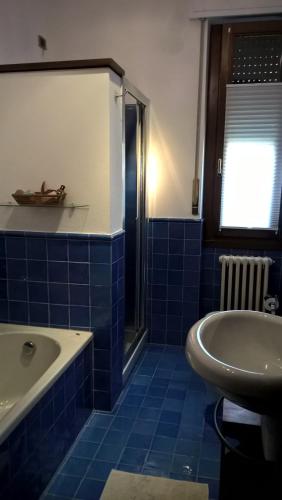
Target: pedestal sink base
[{"x": 271, "y": 432}]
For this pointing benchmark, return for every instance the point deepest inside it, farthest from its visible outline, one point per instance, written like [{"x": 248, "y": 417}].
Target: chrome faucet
[{"x": 271, "y": 303}]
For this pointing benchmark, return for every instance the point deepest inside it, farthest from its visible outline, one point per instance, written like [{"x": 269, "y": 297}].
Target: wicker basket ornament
[{"x": 42, "y": 197}]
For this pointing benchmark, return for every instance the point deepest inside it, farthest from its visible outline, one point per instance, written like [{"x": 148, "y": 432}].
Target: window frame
[{"x": 219, "y": 74}]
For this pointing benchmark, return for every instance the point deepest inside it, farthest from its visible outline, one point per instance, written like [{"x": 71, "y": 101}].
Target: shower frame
[{"x": 143, "y": 134}]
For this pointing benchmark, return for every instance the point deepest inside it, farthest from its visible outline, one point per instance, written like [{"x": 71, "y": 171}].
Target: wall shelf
[{"x": 62, "y": 206}]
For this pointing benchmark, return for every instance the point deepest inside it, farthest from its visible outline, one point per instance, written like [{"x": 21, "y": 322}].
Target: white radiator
[{"x": 244, "y": 282}]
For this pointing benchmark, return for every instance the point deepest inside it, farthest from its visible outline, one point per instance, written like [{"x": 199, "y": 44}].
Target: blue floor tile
[
  {"x": 115, "y": 437},
  {"x": 185, "y": 465},
  {"x": 76, "y": 466},
  {"x": 142, "y": 441},
  {"x": 90, "y": 489},
  {"x": 84, "y": 449},
  {"x": 136, "y": 389},
  {"x": 109, "y": 452},
  {"x": 133, "y": 456},
  {"x": 102, "y": 421},
  {"x": 159, "y": 461},
  {"x": 188, "y": 447},
  {"x": 149, "y": 413},
  {"x": 65, "y": 485},
  {"x": 164, "y": 444},
  {"x": 129, "y": 468},
  {"x": 100, "y": 470},
  {"x": 170, "y": 417},
  {"x": 158, "y": 392},
  {"x": 173, "y": 404},
  {"x": 168, "y": 430},
  {"x": 147, "y": 427},
  {"x": 152, "y": 402},
  {"x": 133, "y": 400},
  {"x": 209, "y": 468},
  {"x": 128, "y": 411},
  {"x": 160, "y": 426},
  {"x": 159, "y": 382},
  {"x": 93, "y": 434},
  {"x": 122, "y": 424}
]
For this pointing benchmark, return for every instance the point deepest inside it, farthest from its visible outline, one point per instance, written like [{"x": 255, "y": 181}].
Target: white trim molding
[{"x": 200, "y": 10}]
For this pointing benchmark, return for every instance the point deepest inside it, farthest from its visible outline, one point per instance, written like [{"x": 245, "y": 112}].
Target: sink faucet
[{"x": 271, "y": 303}]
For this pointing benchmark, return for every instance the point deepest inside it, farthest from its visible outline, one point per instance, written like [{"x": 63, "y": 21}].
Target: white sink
[{"x": 240, "y": 352}]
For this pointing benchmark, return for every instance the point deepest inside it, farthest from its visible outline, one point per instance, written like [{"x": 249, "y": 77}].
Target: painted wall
[
  {"x": 156, "y": 44},
  {"x": 63, "y": 127}
]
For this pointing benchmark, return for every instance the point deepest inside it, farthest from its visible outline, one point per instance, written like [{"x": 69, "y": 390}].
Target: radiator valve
[{"x": 271, "y": 303}]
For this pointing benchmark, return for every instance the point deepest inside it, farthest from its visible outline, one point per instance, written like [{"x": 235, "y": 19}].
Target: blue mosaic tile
[
  {"x": 57, "y": 272},
  {"x": 72, "y": 281},
  {"x": 17, "y": 290},
  {"x": 133, "y": 456},
  {"x": 37, "y": 292},
  {"x": 58, "y": 293},
  {"x": 39, "y": 313},
  {"x": 75, "y": 467},
  {"x": 101, "y": 253},
  {"x": 18, "y": 311},
  {"x": 79, "y": 251},
  {"x": 59, "y": 315},
  {"x": 174, "y": 278},
  {"x": 79, "y": 273},
  {"x": 100, "y": 470},
  {"x": 153, "y": 441},
  {"x": 65, "y": 485},
  {"x": 57, "y": 249},
  {"x": 90, "y": 489},
  {"x": 16, "y": 247},
  {"x": 3, "y": 269},
  {"x": 85, "y": 449},
  {"x": 36, "y": 248},
  {"x": 159, "y": 229},
  {"x": 17, "y": 270}
]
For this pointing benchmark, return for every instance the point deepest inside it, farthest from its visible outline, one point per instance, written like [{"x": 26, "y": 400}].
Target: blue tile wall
[
  {"x": 33, "y": 451},
  {"x": 174, "y": 261},
  {"x": 184, "y": 278},
  {"x": 70, "y": 281},
  {"x": 211, "y": 276}
]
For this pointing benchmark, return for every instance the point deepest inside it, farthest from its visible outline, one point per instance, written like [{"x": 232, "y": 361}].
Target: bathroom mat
[{"x": 127, "y": 486}]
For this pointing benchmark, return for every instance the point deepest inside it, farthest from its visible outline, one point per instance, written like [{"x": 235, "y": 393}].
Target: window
[{"x": 243, "y": 163}]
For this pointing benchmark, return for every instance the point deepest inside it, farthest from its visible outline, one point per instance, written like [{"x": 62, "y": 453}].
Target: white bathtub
[{"x": 26, "y": 373}]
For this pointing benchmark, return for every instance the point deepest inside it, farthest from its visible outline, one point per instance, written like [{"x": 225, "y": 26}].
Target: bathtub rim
[{"x": 72, "y": 342}]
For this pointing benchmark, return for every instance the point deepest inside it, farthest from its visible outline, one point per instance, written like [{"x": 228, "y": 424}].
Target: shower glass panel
[{"x": 135, "y": 224}]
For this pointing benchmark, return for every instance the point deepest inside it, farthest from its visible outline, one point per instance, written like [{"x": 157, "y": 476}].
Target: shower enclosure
[{"x": 134, "y": 221}]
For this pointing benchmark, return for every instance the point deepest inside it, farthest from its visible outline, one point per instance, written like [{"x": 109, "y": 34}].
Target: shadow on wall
[{"x": 50, "y": 218}]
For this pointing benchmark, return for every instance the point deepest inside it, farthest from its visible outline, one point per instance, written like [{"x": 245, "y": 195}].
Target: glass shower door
[{"x": 135, "y": 224}]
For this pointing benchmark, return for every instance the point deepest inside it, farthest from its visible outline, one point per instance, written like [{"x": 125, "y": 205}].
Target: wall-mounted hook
[
  {"x": 121, "y": 95},
  {"x": 42, "y": 43}
]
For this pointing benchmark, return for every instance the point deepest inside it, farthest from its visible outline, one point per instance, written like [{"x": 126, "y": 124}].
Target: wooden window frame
[{"x": 219, "y": 74}]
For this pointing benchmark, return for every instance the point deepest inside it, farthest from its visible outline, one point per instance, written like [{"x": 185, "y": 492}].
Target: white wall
[
  {"x": 57, "y": 126},
  {"x": 156, "y": 44}
]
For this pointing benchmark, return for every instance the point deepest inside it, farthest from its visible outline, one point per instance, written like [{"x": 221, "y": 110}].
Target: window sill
[{"x": 243, "y": 243}]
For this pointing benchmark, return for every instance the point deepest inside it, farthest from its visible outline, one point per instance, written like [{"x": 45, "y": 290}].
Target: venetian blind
[{"x": 252, "y": 157}]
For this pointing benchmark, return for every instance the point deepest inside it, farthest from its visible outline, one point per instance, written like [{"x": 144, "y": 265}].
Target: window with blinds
[
  {"x": 252, "y": 157},
  {"x": 243, "y": 148}
]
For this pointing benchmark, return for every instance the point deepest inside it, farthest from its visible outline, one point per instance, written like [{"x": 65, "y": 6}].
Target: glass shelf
[{"x": 64, "y": 205}]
